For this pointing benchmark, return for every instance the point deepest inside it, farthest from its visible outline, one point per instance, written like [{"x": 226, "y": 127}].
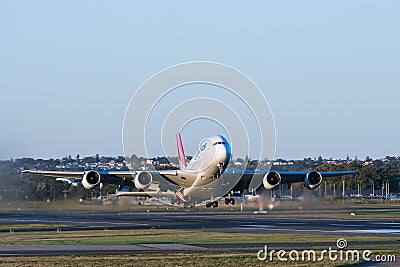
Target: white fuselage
[{"x": 208, "y": 163}]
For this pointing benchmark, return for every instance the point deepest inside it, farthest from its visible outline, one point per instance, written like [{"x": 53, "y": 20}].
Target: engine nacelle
[
  {"x": 312, "y": 180},
  {"x": 90, "y": 179},
  {"x": 143, "y": 180},
  {"x": 271, "y": 180}
]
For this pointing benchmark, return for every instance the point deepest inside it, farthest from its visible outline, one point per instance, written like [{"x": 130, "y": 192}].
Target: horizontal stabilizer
[{"x": 145, "y": 194}]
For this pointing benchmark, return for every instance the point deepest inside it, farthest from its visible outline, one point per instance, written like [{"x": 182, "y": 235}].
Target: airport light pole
[
  {"x": 334, "y": 190},
  {"x": 319, "y": 191},
  {"x": 387, "y": 189},
  {"x": 54, "y": 190},
  {"x": 359, "y": 188},
  {"x": 344, "y": 190},
  {"x": 373, "y": 188}
]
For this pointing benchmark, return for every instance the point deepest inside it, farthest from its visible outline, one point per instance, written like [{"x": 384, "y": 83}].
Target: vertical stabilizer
[{"x": 181, "y": 152}]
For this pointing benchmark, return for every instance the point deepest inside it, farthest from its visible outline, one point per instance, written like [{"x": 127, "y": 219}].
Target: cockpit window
[{"x": 218, "y": 143}]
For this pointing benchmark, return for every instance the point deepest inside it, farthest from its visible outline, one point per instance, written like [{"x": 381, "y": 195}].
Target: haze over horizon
[{"x": 329, "y": 70}]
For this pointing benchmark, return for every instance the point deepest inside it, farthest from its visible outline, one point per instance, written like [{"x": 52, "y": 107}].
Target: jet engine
[
  {"x": 90, "y": 179},
  {"x": 312, "y": 180},
  {"x": 271, "y": 180},
  {"x": 143, "y": 180}
]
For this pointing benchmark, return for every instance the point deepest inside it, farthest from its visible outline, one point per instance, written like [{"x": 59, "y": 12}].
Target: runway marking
[
  {"x": 366, "y": 231},
  {"x": 291, "y": 223},
  {"x": 163, "y": 220},
  {"x": 257, "y": 226},
  {"x": 345, "y": 225},
  {"x": 388, "y": 223},
  {"x": 173, "y": 247},
  {"x": 372, "y": 231},
  {"x": 285, "y": 230}
]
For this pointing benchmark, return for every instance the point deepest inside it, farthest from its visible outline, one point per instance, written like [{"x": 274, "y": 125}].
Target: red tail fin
[{"x": 181, "y": 152}]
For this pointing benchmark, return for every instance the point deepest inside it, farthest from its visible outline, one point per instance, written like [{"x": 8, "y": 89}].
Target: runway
[{"x": 232, "y": 223}]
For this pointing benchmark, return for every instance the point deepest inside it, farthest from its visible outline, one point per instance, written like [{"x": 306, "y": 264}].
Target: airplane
[{"x": 204, "y": 179}]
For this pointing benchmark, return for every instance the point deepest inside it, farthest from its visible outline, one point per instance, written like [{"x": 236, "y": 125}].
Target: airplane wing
[
  {"x": 80, "y": 174},
  {"x": 238, "y": 180},
  {"x": 58, "y": 174},
  {"x": 251, "y": 180},
  {"x": 295, "y": 177},
  {"x": 106, "y": 177}
]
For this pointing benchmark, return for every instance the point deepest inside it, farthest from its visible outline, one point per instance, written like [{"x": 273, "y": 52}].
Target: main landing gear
[
  {"x": 230, "y": 201},
  {"x": 213, "y": 204}
]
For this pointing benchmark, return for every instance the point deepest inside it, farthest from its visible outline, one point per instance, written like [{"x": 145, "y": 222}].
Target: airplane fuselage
[{"x": 207, "y": 164}]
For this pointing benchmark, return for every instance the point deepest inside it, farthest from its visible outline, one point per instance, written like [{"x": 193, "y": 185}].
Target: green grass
[
  {"x": 160, "y": 236},
  {"x": 180, "y": 237},
  {"x": 157, "y": 260}
]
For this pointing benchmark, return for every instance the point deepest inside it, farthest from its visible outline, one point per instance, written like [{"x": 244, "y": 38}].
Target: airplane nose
[{"x": 222, "y": 154}]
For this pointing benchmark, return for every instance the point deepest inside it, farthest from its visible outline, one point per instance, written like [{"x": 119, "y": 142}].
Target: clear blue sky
[{"x": 329, "y": 69}]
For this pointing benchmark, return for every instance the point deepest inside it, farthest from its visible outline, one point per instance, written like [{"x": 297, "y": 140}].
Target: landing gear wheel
[
  {"x": 227, "y": 201},
  {"x": 233, "y": 201},
  {"x": 215, "y": 204},
  {"x": 208, "y": 204}
]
